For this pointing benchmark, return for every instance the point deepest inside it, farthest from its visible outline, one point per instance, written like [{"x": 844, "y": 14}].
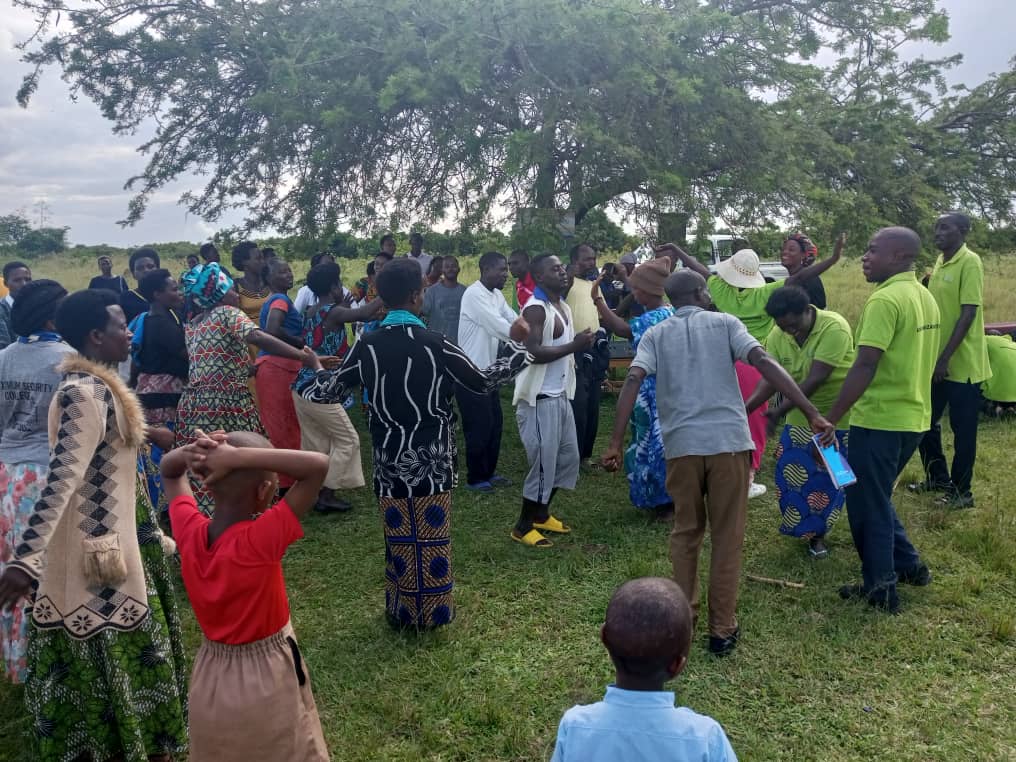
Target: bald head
[
  {"x": 686, "y": 287},
  {"x": 903, "y": 241},
  {"x": 247, "y": 439},
  {"x": 243, "y": 480},
  {"x": 891, "y": 251},
  {"x": 648, "y": 627}
]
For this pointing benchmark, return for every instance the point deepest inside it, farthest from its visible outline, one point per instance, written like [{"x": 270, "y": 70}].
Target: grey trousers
[{"x": 548, "y": 434}]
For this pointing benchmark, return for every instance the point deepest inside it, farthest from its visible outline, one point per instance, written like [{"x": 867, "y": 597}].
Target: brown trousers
[{"x": 722, "y": 482}]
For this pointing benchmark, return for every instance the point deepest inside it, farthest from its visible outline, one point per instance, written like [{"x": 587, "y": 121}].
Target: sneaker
[
  {"x": 955, "y": 500},
  {"x": 756, "y": 490},
  {"x": 500, "y": 481},
  {"x": 481, "y": 487},
  {"x": 724, "y": 646},
  {"x": 928, "y": 486},
  {"x": 919, "y": 576}
]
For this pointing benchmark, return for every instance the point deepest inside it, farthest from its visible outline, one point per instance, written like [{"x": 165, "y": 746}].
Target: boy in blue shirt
[{"x": 648, "y": 634}]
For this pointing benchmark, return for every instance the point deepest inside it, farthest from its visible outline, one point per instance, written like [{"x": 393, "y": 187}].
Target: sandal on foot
[
  {"x": 552, "y": 525},
  {"x": 532, "y": 538}
]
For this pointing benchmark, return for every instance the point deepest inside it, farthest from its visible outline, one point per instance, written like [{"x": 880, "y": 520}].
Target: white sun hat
[{"x": 741, "y": 270}]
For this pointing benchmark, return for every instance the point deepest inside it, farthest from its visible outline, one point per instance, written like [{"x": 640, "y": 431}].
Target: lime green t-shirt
[
  {"x": 830, "y": 342},
  {"x": 955, "y": 283},
  {"x": 902, "y": 319},
  {"x": 747, "y": 304},
  {"x": 1001, "y": 386}
]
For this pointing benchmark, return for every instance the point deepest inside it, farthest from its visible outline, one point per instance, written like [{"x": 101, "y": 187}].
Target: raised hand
[{"x": 841, "y": 241}]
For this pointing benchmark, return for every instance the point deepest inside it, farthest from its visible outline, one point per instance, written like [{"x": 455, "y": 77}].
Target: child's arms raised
[
  {"x": 174, "y": 467},
  {"x": 176, "y": 463},
  {"x": 308, "y": 469}
]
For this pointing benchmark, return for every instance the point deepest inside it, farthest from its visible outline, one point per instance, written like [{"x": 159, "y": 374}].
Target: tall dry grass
[{"x": 845, "y": 286}]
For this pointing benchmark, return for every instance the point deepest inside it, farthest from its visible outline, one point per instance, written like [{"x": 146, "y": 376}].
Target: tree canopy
[{"x": 312, "y": 114}]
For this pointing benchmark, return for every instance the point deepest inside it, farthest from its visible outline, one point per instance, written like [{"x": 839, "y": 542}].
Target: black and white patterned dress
[{"x": 409, "y": 374}]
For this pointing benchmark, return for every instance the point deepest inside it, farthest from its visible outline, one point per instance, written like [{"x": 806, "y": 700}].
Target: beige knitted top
[{"x": 81, "y": 543}]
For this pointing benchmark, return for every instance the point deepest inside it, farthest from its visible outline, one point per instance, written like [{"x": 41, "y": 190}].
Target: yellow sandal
[
  {"x": 552, "y": 525},
  {"x": 532, "y": 539}
]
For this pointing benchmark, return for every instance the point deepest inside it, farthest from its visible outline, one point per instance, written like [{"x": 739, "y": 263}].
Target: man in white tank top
[{"x": 542, "y": 398}]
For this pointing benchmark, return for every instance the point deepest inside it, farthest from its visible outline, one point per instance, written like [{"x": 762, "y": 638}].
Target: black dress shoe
[
  {"x": 919, "y": 576},
  {"x": 333, "y": 506},
  {"x": 724, "y": 646},
  {"x": 928, "y": 486},
  {"x": 884, "y": 599}
]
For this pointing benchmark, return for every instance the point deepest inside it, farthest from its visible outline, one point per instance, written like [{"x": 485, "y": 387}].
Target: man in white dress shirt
[{"x": 484, "y": 322}]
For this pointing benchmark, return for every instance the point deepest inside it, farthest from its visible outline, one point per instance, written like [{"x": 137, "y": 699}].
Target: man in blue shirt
[{"x": 648, "y": 635}]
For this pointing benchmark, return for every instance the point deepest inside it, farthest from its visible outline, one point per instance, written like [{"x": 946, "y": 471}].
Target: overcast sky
[{"x": 64, "y": 153}]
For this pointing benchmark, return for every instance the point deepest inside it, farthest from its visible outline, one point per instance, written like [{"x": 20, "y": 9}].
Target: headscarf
[
  {"x": 810, "y": 250},
  {"x": 205, "y": 285}
]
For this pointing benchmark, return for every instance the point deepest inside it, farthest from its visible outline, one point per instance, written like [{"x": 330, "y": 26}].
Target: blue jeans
[{"x": 877, "y": 458}]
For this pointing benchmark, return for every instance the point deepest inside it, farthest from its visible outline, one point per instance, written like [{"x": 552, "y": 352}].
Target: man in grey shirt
[
  {"x": 443, "y": 301},
  {"x": 705, "y": 438}
]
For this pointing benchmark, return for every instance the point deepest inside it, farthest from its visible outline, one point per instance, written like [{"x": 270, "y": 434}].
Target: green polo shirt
[
  {"x": 902, "y": 319},
  {"x": 830, "y": 342},
  {"x": 746, "y": 304},
  {"x": 955, "y": 283},
  {"x": 1001, "y": 385}
]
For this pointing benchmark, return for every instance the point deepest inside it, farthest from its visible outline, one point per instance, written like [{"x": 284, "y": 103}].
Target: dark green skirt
[{"x": 116, "y": 693}]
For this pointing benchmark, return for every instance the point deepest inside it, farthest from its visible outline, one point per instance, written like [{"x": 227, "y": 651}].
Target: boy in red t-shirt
[{"x": 250, "y": 695}]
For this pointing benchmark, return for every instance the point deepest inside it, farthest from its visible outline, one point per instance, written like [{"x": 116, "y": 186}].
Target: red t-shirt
[{"x": 235, "y": 586}]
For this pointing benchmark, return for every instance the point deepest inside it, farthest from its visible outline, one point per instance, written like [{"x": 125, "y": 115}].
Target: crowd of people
[{"x": 200, "y": 417}]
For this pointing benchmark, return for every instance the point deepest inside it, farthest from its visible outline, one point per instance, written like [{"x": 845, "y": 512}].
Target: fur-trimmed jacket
[{"x": 81, "y": 543}]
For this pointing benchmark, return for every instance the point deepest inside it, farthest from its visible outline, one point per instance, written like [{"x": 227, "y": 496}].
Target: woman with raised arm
[
  {"x": 217, "y": 395},
  {"x": 644, "y": 461}
]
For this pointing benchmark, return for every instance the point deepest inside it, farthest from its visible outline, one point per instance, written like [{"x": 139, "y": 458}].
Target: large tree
[{"x": 311, "y": 113}]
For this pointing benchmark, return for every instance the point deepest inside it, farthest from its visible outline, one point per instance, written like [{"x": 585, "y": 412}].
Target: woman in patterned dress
[
  {"x": 29, "y": 375},
  {"x": 217, "y": 395},
  {"x": 644, "y": 461},
  {"x": 816, "y": 347},
  {"x": 411, "y": 374},
  {"x": 106, "y": 675}
]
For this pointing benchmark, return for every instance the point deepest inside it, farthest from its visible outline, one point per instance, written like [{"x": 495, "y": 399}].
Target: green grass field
[{"x": 814, "y": 677}]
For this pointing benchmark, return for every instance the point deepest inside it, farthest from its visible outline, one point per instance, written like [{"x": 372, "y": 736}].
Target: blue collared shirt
[{"x": 639, "y": 726}]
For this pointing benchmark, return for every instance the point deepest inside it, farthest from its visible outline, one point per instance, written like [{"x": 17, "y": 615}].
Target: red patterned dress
[{"x": 217, "y": 395}]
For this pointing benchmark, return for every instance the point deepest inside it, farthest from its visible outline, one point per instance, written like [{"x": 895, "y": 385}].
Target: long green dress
[{"x": 115, "y": 693}]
